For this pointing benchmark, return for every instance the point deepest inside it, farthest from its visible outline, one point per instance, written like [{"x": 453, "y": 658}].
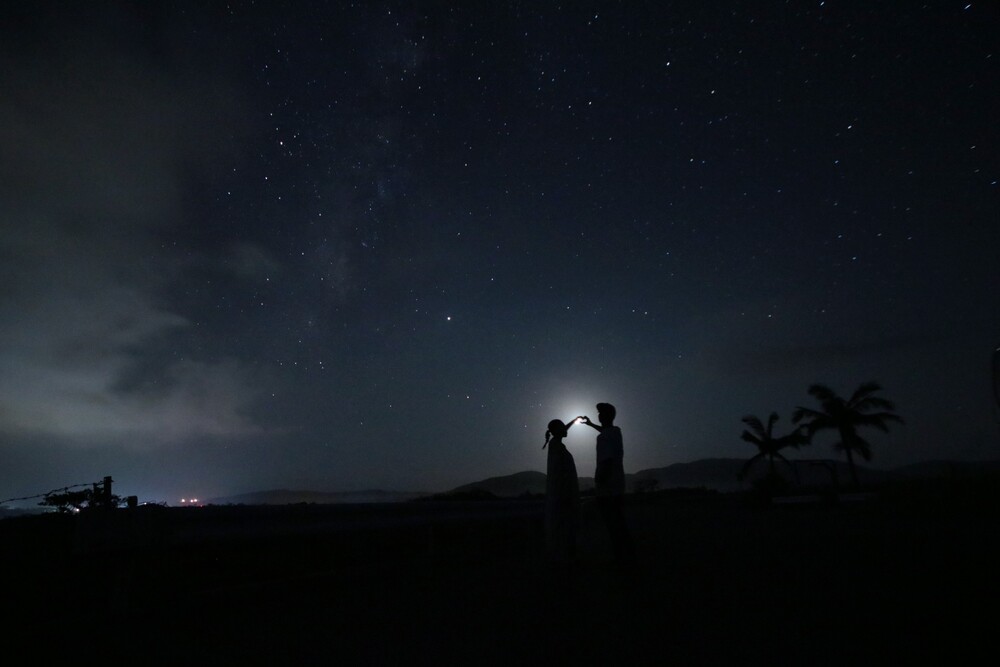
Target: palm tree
[
  {"x": 768, "y": 445},
  {"x": 845, "y": 417}
]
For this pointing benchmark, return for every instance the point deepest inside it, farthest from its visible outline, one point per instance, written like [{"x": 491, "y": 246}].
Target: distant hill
[
  {"x": 721, "y": 474},
  {"x": 529, "y": 482},
  {"x": 290, "y": 497},
  {"x": 946, "y": 469},
  {"x": 718, "y": 474}
]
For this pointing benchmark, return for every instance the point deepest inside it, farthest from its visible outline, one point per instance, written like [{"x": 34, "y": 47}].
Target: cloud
[
  {"x": 67, "y": 359},
  {"x": 99, "y": 150}
]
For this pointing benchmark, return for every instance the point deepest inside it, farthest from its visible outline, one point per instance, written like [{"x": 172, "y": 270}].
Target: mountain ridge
[
  {"x": 292, "y": 496},
  {"x": 718, "y": 474}
]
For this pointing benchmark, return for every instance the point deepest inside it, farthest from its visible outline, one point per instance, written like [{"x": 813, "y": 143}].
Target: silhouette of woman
[{"x": 562, "y": 496}]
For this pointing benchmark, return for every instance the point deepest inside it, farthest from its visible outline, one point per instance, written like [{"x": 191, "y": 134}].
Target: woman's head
[{"x": 557, "y": 428}]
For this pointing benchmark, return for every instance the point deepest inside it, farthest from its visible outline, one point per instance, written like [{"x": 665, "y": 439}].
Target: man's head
[{"x": 606, "y": 413}]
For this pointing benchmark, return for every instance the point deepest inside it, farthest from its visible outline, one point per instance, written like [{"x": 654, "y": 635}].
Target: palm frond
[
  {"x": 795, "y": 439},
  {"x": 770, "y": 423},
  {"x": 820, "y": 423},
  {"x": 801, "y": 413},
  {"x": 873, "y": 403},
  {"x": 755, "y": 423},
  {"x": 863, "y": 447},
  {"x": 751, "y": 438},
  {"x": 862, "y": 391},
  {"x": 822, "y": 393},
  {"x": 878, "y": 420}
]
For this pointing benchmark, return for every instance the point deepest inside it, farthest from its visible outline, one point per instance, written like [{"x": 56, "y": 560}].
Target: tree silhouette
[
  {"x": 69, "y": 501},
  {"x": 769, "y": 446},
  {"x": 847, "y": 416}
]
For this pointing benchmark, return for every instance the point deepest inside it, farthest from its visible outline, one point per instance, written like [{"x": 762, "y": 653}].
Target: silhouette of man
[{"x": 609, "y": 481}]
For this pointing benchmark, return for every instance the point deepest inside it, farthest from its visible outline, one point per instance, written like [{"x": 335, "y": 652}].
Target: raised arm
[{"x": 586, "y": 420}]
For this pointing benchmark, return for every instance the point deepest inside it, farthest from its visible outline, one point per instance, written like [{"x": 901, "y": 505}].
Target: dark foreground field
[{"x": 911, "y": 573}]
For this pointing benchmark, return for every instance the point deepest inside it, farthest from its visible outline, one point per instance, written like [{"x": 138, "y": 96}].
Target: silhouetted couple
[{"x": 562, "y": 490}]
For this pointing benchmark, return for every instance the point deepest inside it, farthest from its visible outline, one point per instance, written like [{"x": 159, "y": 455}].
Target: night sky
[{"x": 337, "y": 246}]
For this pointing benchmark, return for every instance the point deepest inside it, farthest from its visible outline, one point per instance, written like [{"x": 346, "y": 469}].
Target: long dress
[{"x": 562, "y": 504}]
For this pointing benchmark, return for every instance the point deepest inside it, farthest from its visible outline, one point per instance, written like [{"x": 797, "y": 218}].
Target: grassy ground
[{"x": 719, "y": 581}]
